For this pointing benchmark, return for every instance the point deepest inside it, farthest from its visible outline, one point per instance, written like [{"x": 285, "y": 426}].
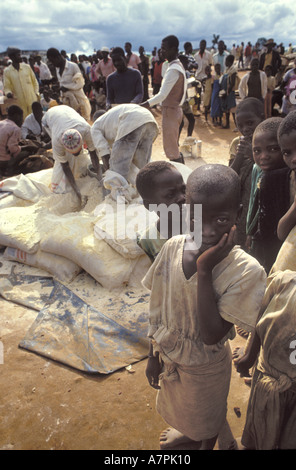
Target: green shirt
[{"x": 151, "y": 241}]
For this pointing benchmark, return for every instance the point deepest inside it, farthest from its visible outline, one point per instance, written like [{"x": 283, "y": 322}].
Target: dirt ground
[{"x": 47, "y": 406}]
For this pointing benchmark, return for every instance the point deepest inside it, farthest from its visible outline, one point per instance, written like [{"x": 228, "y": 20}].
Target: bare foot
[
  {"x": 242, "y": 332},
  {"x": 170, "y": 438}
]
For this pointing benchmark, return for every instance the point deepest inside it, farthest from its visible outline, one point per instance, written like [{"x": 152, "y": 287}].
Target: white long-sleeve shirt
[
  {"x": 116, "y": 123},
  {"x": 169, "y": 80}
]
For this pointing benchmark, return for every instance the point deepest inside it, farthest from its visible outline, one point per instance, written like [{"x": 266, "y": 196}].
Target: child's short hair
[
  {"x": 251, "y": 104},
  {"x": 269, "y": 125},
  {"x": 288, "y": 124},
  {"x": 145, "y": 182},
  {"x": 214, "y": 179}
]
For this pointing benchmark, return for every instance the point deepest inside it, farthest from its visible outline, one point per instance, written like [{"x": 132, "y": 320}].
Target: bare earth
[{"x": 45, "y": 405}]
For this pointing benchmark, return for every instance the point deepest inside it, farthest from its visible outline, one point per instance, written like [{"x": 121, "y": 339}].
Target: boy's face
[
  {"x": 288, "y": 147},
  {"x": 255, "y": 65},
  {"x": 228, "y": 61},
  {"x": 56, "y": 60},
  {"x": 168, "y": 52},
  {"x": 169, "y": 188},
  {"x": 219, "y": 214},
  {"x": 247, "y": 121},
  {"x": 17, "y": 58},
  {"x": 127, "y": 47},
  {"x": 267, "y": 152}
]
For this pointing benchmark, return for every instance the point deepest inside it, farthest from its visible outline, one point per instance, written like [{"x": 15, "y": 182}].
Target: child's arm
[
  {"x": 231, "y": 82},
  {"x": 153, "y": 368},
  {"x": 212, "y": 326},
  {"x": 246, "y": 362},
  {"x": 243, "y": 152},
  {"x": 287, "y": 222},
  {"x": 69, "y": 175}
]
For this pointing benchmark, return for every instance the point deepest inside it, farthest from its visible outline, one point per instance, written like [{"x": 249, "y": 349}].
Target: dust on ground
[{"x": 48, "y": 406}]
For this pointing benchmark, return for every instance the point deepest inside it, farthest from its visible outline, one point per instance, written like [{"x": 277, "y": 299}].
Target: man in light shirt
[
  {"x": 171, "y": 96},
  {"x": 56, "y": 121},
  {"x": 45, "y": 74},
  {"x": 32, "y": 126},
  {"x": 71, "y": 83},
  {"x": 220, "y": 56},
  {"x": 133, "y": 60},
  {"x": 203, "y": 58},
  {"x": 124, "y": 135},
  {"x": 105, "y": 66},
  {"x": 20, "y": 81}
]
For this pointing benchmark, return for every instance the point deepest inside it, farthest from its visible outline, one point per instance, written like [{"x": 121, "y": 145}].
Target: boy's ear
[{"x": 239, "y": 212}]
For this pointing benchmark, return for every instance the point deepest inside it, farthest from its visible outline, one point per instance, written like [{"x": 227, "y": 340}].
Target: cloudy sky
[{"x": 85, "y": 25}]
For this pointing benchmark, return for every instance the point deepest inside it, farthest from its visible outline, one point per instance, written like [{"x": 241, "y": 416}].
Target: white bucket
[{"x": 191, "y": 147}]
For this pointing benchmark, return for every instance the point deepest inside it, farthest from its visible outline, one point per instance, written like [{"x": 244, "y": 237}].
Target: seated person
[
  {"x": 46, "y": 100},
  {"x": 12, "y": 153},
  {"x": 32, "y": 126}
]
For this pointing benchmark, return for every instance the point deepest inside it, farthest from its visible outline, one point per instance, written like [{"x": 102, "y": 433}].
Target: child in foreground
[
  {"x": 160, "y": 182},
  {"x": 287, "y": 141},
  {"x": 197, "y": 294},
  {"x": 283, "y": 192},
  {"x": 271, "y": 415}
]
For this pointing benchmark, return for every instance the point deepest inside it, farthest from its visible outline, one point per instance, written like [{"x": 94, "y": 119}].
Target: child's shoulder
[
  {"x": 239, "y": 263},
  {"x": 238, "y": 254}
]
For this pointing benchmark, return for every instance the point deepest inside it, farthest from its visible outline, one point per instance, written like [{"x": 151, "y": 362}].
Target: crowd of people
[
  {"x": 198, "y": 294},
  {"x": 216, "y": 80}
]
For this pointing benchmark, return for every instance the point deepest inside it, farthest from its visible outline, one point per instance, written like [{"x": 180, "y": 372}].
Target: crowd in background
[{"x": 206, "y": 65}]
